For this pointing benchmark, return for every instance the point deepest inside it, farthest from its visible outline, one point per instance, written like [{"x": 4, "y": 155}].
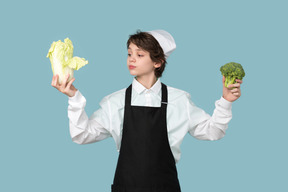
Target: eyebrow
[{"x": 136, "y": 49}]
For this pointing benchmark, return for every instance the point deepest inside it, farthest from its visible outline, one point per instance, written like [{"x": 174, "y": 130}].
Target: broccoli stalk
[
  {"x": 229, "y": 80},
  {"x": 232, "y": 71}
]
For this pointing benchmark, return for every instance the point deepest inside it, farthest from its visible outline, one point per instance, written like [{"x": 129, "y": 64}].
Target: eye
[
  {"x": 140, "y": 55},
  {"x": 129, "y": 55}
]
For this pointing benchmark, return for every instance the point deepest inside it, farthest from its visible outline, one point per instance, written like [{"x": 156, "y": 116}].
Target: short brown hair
[{"x": 148, "y": 43}]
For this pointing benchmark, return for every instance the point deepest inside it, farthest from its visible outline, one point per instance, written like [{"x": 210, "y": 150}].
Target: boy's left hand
[{"x": 233, "y": 92}]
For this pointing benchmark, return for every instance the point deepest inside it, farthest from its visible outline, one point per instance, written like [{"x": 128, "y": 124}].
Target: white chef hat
[{"x": 165, "y": 40}]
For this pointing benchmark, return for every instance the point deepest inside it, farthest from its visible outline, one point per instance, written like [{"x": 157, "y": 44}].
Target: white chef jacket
[{"x": 182, "y": 116}]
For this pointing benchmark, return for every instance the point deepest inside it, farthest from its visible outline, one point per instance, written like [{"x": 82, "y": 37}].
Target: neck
[{"x": 147, "y": 82}]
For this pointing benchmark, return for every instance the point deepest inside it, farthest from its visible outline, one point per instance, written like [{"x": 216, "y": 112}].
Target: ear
[{"x": 158, "y": 64}]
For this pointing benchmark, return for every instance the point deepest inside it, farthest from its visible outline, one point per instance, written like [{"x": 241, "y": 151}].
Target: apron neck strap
[
  {"x": 128, "y": 96},
  {"x": 164, "y": 94}
]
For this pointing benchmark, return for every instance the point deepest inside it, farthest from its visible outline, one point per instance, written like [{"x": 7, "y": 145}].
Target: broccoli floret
[{"x": 232, "y": 71}]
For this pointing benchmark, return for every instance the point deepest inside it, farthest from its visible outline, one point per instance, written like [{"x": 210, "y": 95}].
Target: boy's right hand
[{"x": 66, "y": 87}]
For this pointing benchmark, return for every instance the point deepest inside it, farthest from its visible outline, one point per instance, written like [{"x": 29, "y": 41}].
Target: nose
[{"x": 132, "y": 58}]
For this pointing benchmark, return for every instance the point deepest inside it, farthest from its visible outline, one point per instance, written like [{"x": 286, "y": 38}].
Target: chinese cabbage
[{"x": 62, "y": 60}]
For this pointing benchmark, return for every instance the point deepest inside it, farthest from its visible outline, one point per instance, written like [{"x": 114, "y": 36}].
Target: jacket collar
[{"x": 139, "y": 88}]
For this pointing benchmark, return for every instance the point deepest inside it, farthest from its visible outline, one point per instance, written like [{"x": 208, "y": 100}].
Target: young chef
[{"x": 148, "y": 120}]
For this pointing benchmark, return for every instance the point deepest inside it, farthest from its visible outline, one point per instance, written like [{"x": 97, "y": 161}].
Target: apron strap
[
  {"x": 164, "y": 95},
  {"x": 128, "y": 96}
]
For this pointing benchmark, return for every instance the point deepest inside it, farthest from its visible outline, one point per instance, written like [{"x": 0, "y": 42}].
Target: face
[{"x": 139, "y": 62}]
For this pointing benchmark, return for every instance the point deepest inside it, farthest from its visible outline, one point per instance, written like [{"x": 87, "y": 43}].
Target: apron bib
[{"x": 146, "y": 162}]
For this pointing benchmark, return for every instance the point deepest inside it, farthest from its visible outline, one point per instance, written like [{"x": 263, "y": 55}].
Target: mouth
[{"x": 132, "y": 67}]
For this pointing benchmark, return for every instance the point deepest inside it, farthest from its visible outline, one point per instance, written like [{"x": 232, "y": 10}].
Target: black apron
[{"x": 146, "y": 162}]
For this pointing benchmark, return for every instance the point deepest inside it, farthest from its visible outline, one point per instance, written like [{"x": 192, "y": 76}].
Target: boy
[{"x": 148, "y": 120}]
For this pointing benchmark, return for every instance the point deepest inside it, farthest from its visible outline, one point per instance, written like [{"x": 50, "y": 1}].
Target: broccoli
[{"x": 232, "y": 71}]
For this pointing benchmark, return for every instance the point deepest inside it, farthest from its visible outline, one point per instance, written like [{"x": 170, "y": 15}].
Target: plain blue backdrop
[{"x": 37, "y": 153}]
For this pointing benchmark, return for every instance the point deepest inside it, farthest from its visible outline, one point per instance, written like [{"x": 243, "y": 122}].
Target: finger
[
  {"x": 232, "y": 86},
  {"x": 56, "y": 81},
  {"x": 70, "y": 83},
  {"x": 236, "y": 85},
  {"x": 67, "y": 78},
  {"x": 237, "y": 94},
  {"x": 234, "y": 90},
  {"x": 52, "y": 82},
  {"x": 63, "y": 85},
  {"x": 239, "y": 81}
]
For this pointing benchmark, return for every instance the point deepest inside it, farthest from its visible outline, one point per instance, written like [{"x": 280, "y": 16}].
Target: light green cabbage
[{"x": 62, "y": 60}]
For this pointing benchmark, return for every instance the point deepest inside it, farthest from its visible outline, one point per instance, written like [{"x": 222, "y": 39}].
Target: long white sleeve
[
  {"x": 82, "y": 129},
  {"x": 211, "y": 128},
  {"x": 182, "y": 116}
]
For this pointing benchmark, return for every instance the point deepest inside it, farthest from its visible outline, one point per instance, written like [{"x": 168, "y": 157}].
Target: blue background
[{"x": 37, "y": 153}]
